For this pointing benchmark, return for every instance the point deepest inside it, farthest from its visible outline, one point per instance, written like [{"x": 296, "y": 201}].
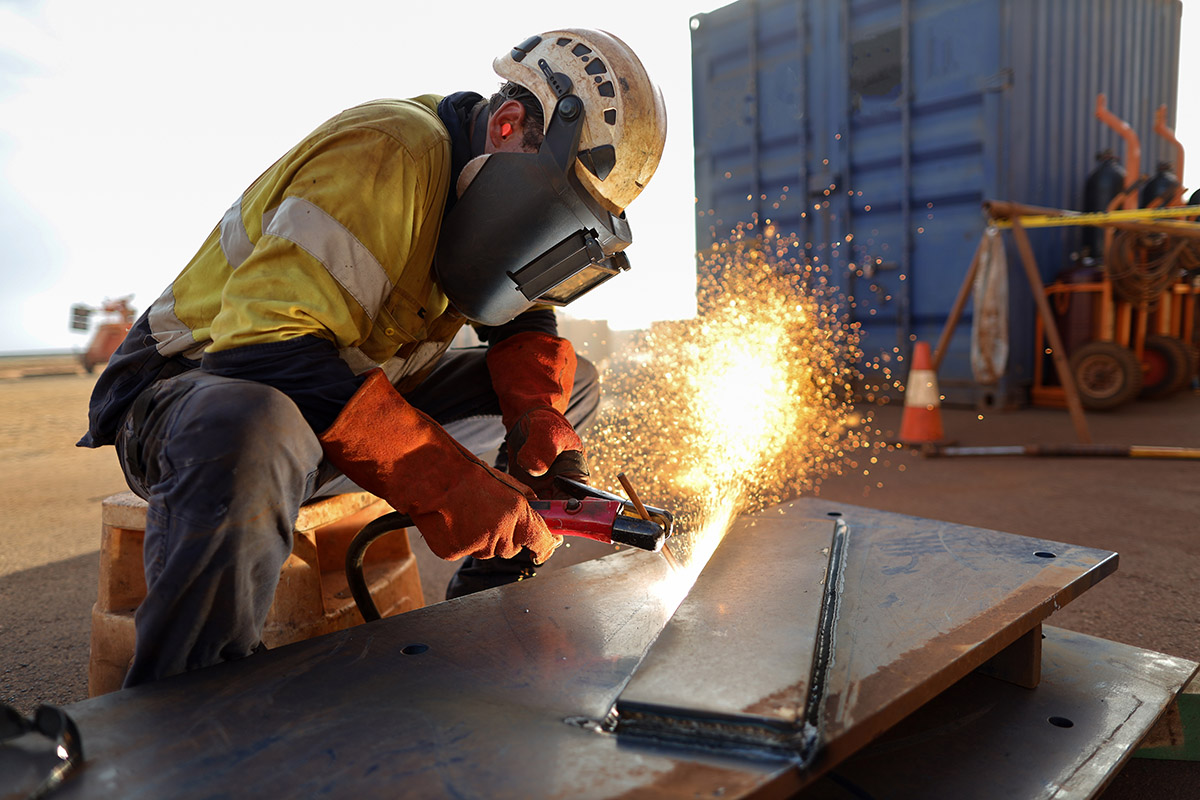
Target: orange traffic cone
[{"x": 922, "y": 420}]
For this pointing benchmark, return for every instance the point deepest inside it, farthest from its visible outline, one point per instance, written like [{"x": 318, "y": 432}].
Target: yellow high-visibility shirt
[{"x": 335, "y": 240}]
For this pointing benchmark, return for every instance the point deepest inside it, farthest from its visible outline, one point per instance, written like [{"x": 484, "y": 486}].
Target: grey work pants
[{"x": 225, "y": 465}]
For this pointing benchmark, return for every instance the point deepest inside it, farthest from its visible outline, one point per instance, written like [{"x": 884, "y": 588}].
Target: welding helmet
[{"x": 548, "y": 227}]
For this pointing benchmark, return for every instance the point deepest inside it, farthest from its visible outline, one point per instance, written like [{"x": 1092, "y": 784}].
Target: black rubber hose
[{"x": 394, "y": 521}]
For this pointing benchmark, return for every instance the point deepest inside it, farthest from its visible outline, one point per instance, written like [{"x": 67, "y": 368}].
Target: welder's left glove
[{"x": 533, "y": 373}]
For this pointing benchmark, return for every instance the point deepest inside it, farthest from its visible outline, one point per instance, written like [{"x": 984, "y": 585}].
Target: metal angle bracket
[{"x": 789, "y": 728}]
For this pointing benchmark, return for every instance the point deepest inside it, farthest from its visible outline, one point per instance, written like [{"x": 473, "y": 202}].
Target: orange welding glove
[
  {"x": 533, "y": 373},
  {"x": 461, "y": 506}
]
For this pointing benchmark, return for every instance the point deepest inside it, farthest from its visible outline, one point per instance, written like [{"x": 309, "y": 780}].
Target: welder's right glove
[
  {"x": 533, "y": 373},
  {"x": 461, "y": 506}
]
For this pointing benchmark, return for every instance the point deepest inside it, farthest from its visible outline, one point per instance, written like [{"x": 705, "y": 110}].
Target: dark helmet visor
[{"x": 527, "y": 232}]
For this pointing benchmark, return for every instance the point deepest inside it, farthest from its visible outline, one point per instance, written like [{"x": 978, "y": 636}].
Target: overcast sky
[{"x": 127, "y": 127}]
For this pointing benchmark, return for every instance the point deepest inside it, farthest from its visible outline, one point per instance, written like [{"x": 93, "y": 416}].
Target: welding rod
[
  {"x": 641, "y": 509},
  {"x": 633, "y": 496},
  {"x": 1067, "y": 451}
]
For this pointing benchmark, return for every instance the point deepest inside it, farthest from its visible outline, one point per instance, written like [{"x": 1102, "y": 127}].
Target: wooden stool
[{"x": 312, "y": 597}]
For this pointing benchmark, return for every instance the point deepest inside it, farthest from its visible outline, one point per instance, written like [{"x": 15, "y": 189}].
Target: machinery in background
[
  {"x": 1126, "y": 310},
  {"x": 109, "y": 323}
]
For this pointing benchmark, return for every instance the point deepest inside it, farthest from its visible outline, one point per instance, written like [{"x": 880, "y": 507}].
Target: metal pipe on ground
[{"x": 1065, "y": 451}]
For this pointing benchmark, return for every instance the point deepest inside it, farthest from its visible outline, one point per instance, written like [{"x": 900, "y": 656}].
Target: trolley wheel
[
  {"x": 1187, "y": 355},
  {"x": 1167, "y": 366},
  {"x": 1107, "y": 374},
  {"x": 1191, "y": 360}
]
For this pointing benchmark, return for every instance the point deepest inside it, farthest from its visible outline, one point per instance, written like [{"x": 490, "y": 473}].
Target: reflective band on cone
[{"x": 922, "y": 421}]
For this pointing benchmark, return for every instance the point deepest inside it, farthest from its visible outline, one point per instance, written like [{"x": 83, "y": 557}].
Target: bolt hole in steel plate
[
  {"x": 414, "y": 649},
  {"x": 921, "y": 604},
  {"x": 1061, "y": 722}
]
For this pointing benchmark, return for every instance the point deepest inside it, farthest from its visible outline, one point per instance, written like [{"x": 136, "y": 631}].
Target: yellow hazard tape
[{"x": 1104, "y": 217}]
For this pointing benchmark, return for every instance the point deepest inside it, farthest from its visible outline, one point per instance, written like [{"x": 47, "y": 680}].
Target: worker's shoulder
[{"x": 412, "y": 123}]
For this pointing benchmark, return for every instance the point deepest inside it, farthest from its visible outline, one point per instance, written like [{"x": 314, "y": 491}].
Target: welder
[{"x": 303, "y": 351}]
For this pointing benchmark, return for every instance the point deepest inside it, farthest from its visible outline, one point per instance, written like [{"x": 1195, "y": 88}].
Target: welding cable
[
  {"x": 1067, "y": 451},
  {"x": 394, "y": 521},
  {"x": 1142, "y": 266},
  {"x": 1189, "y": 259}
]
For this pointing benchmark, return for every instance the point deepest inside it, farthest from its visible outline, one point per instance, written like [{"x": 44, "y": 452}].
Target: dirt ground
[
  {"x": 1147, "y": 510},
  {"x": 50, "y": 493}
]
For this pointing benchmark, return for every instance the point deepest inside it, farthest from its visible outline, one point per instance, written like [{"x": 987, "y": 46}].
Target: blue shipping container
[{"x": 891, "y": 121}]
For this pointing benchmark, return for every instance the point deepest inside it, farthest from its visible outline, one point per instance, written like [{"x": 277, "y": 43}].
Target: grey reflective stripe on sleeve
[
  {"x": 397, "y": 369},
  {"x": 423, "y": 356},
  {"x": 341, "y": 253},
  {"x": 172, "y": 336},
  {"x": 235, "y": 242},
  {"x": 358, "y": 361}
]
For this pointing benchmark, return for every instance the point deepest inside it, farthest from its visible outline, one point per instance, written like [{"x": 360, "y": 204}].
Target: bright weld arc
[{"x": 745, "y": 406}]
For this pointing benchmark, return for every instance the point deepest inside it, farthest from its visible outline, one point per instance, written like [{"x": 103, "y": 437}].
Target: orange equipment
[
  {"x": 1141, "y": 312},
  {"x": 110, "y": 331}
]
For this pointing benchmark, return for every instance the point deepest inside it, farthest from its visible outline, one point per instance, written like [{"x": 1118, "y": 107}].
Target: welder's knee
[
  {"x": 227, "y": 430},
  {"x": 244, "y": 416}
]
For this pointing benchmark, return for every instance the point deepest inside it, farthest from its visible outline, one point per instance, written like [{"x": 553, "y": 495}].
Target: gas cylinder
[
  {"x": 1103, "y": 184},
  {"x": 1162, "y": 185}
]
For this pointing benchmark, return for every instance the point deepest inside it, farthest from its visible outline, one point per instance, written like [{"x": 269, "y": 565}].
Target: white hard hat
[{"x": 625, "y": 121}]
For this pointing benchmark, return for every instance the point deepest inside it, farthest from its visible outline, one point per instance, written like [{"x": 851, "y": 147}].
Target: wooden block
[
  {"x": 297, "y": 600},
  {"x": 111, "y": 646},
  {"x": 124, "y": 510},
  {"x": 122, "y": 584},
  {"x": 311, "y": 599},
  {"x": 127, "y": 510},
  {"x": 331, "y": 509},
  {"x": 1020, "y": 663}
]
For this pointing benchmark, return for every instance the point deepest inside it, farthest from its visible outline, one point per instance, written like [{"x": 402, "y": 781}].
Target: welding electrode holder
[
  {"x": 628, "y": 528},
  {"x": 600, "y": 520},
  {"x": 589, "y": 512}
]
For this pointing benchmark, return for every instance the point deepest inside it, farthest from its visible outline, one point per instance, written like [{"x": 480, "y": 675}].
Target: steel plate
[
  {"x": 488, "y": 696},
  {"x": 991, "y": 740},
  {"x": 923, "y": 603},
  {"x": 499, "y": 694}
]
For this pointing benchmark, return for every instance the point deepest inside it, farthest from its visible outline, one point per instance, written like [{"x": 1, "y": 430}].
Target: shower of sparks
[{"x": 745, "y": 406}]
